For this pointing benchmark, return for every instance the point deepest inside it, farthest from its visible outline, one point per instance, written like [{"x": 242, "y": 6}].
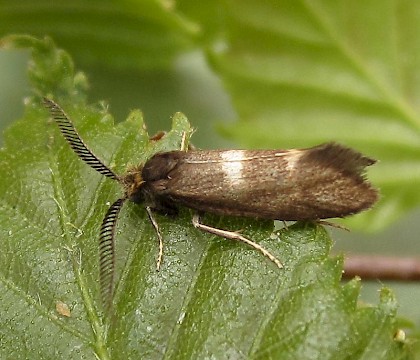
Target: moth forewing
[{"x": 308, "y": 184}]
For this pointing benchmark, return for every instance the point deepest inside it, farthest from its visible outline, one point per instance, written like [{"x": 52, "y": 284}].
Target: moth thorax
[{"x": 133, "y": 182}]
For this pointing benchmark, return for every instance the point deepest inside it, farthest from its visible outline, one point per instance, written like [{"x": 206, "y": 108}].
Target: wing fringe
[{"x": 339, "y": 157}]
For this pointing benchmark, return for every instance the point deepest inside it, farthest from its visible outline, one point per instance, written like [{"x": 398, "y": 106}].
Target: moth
[{"x": 325, "y": 181}]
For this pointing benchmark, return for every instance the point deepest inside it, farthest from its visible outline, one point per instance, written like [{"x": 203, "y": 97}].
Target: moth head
[{"x": 133, "y": 183}]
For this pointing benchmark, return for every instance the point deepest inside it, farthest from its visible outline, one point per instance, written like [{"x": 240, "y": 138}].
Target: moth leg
[
  {"x": 183, "y": 146},
  {"x": 331, "y": 224},
  {"x": 183, "y": 141},
  {"x": 159, "y": 235},
  {"x": 233, "y": 236}
]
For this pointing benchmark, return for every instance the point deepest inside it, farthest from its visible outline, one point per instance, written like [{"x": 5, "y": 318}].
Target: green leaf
[
  {"x": 302, "y": 73},
  {"x": 212, "y": 298},
  {"x": 116, "y": 34}
]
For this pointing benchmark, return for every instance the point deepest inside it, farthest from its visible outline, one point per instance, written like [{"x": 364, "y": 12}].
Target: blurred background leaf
[{"x": 121, "y": 34}]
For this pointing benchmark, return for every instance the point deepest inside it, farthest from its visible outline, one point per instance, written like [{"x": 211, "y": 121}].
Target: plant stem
[{"x": 382, "y": 267}]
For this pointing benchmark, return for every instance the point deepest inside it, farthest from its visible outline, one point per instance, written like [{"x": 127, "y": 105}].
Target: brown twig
[{"x": 382, "y": 267}]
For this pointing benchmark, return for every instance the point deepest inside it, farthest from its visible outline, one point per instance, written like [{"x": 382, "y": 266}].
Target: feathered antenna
[
  {"x": 107, "y": 253},
  {"x": 107, "y": 234},
  {"x": 76, "y": 143}
]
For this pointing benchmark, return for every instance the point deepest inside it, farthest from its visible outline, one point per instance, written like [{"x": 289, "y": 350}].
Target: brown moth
[{"x": 321, "y": 182}]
